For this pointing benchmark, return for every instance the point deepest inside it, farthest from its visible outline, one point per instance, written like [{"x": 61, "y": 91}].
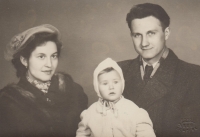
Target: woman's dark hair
[
  {"x": 148, "y": 9},
  {"x": 31, "y": 44}
]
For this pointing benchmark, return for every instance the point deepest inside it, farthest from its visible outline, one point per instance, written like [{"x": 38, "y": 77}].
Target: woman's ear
[{"x": 23, "y": 61}]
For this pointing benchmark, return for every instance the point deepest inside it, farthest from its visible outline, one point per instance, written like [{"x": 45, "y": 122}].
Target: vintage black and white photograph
[{"x": 100, "y": 68}]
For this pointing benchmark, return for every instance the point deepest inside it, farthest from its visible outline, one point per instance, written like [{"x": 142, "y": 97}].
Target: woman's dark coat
[{"x": 25, "y": 111}]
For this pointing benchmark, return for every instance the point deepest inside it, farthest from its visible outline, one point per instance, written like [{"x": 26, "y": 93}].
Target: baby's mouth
[{"x": 112, "y": 93}]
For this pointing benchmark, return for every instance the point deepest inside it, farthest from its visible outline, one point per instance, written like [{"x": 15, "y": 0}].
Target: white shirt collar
[{"x": 154, "y": 64}]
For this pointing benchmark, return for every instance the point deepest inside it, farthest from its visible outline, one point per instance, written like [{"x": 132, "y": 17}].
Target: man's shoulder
[
  {"x": 189, "y": 67},
  {"x": 127, "y": 62},
  {"x": 181, "y": 64}
]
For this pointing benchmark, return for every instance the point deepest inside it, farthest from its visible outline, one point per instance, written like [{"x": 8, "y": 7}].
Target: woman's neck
[{"x": 43, "y": 86}]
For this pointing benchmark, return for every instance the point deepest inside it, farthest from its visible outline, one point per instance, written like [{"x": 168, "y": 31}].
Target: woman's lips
[{"x": 48, "y": 72}]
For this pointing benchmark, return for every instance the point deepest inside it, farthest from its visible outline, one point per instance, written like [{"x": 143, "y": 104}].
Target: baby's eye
[
  {"x": 115, "y": 82},
  {"x": 105, "y": 83}
]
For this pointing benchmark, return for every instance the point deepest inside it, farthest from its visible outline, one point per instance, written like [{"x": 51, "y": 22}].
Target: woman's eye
[
  {"x": 55, "y": 56},
  {"x": 41, "y": 57}
]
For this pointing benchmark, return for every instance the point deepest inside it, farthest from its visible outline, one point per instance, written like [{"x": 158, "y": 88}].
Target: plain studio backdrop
[{"x": 93, "y": 30}]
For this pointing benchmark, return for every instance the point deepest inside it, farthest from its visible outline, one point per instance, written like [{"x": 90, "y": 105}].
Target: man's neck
[
  {"x": 157, "y": 58},
  {"x": 145, "y": 63}
]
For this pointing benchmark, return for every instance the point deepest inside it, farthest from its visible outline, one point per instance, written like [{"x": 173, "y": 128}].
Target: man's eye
[
  {"x": 136, "y": 35},
  {"x": 151, "y": 33}
]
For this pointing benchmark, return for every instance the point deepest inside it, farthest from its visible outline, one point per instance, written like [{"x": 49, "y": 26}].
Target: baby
[{"x": 113, "y": 115}]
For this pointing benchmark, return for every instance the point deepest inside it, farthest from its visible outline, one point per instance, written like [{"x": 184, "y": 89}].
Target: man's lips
[{"x": 146, "y": 48}]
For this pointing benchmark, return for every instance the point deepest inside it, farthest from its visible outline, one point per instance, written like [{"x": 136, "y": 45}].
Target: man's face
[{"x": 149, "y": 38}]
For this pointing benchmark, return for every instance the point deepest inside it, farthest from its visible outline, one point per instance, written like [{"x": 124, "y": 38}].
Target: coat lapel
[
  {"x": 133, "y": 81},
  {"x": 161, "y": 83}
]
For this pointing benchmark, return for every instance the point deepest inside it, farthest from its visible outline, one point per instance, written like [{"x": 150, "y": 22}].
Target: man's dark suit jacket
[{"x": 171, "y": 97}]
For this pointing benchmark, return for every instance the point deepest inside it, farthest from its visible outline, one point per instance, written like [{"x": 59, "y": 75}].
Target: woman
[{"x": 43, "y": 103}]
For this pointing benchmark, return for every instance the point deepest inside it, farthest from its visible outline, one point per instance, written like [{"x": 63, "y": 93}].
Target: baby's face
[{"x": 110, "y": 85}]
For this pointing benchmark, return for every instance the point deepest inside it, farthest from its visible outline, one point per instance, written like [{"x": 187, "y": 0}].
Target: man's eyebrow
[
  {"x": 153, "y": 30},
  {"x": 135, "y": 33}
]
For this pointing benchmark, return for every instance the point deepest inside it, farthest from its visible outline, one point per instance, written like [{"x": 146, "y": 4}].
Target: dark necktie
[{"x": 148, "y": 71}]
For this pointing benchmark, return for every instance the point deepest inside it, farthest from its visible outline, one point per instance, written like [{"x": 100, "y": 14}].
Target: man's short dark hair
[{"x": 148, "y": 9}]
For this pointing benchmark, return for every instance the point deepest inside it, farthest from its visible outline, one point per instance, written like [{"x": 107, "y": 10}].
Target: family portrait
[{"x": 106, "y": 68}]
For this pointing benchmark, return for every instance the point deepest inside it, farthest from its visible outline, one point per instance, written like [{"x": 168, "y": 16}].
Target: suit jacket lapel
[
  {"x": 160, "y": 84},
  {"x": 134, "y": 83}
]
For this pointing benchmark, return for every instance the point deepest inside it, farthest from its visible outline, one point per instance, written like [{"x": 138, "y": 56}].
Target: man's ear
[
  {"x": 23, "y": 61},
  {"x": 167, "y": 33}
]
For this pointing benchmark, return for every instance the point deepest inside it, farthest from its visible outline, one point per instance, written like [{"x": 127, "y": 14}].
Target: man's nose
[{"x": 145, "y": 41}]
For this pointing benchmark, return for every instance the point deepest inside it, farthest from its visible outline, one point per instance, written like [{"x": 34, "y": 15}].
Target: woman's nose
[{"x": 48, "y": 62}]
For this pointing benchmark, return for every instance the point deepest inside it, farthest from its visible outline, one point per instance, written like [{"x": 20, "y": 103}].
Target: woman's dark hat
[{"x": 17, "y": 43}]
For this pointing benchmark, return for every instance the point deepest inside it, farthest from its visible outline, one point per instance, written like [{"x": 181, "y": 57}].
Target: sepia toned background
[{"x": 93, "y": 30}]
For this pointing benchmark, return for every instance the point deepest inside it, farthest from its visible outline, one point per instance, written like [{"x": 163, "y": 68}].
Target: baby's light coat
[{"x": 130, "y": 121}]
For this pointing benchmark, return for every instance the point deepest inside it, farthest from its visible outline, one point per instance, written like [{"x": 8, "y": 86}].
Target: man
[{"x": 167, "y": 87}]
